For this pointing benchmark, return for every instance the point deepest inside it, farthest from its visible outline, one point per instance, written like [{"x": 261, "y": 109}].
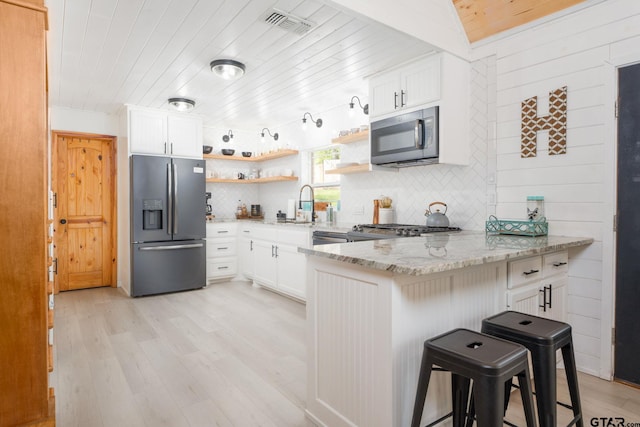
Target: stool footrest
[
  {"x": 441, "y": 419},
  {"x": 564, "y": 405}
]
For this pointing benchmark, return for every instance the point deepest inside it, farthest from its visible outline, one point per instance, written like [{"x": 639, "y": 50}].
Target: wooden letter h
[{"x": 555, "y": 123}]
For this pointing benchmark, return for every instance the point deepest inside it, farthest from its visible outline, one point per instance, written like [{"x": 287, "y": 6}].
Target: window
[{"x": 326, "y": 186}]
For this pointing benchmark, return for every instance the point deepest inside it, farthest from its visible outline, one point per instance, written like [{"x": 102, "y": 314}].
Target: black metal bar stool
[
  {"x": 490, "y": 362},
  {"x": 542, "y": 337}
]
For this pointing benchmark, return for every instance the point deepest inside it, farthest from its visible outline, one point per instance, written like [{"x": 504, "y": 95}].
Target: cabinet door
[
  {"x": 384, "y": 94},
  {"x": 420, "y": 83},
  {"x": 525, "y": 300},
  {"x": 185, "y": 136},
  {"x": 292, "y": 272},
  {"x": 147, "y": 132},
  {"x": 554, "y": 299},
  {"x": 265, "y": 270},
  {"x": 245, "y": 257}
]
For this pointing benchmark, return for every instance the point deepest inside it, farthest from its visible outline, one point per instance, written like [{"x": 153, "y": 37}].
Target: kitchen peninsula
[{"x": 371, "y": 305}]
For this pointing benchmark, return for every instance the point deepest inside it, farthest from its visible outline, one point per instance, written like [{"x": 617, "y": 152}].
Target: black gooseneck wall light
[{"x": 304, "y": 121}]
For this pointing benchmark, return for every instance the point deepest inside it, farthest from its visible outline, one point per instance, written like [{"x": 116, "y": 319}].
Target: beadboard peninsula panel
[
  {"x": 346, "y": 334},
  {"x": 355, "y": 358},
  {"x": 366, "y": 337}
]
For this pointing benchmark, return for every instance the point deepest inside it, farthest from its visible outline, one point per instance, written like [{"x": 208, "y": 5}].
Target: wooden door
[{"x": 83, "y": 178}]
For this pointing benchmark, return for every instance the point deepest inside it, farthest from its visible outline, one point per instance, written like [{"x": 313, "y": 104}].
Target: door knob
[{"x": 63, "y": 221}]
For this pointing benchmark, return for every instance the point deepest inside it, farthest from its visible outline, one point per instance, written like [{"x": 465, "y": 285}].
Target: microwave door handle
[{"x": 418, "y": 134}]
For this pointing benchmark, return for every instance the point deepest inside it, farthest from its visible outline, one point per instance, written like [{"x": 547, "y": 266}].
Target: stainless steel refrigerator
[{"x": 167, "y": 225}]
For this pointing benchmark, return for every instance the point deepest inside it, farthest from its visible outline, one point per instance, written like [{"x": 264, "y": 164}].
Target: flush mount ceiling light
[
  {"x": 228, "y": 136},
  {"x": 365, "y": 109},
  {"x": 275, "y": 136},
  {"x": 228, "y": 69},
  {"x": 182, "y": 104},
  {"x": 304, "y": 121}
]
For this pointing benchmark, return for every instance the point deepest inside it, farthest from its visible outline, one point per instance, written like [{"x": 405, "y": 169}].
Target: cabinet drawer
[
  {"x": 221, "y": 268},
  {"x": 524, "y": 271},
  {"x": 217, "y": 248},
  {"x": 221, "y": 229},
  {"x": 555, "y": 263}
]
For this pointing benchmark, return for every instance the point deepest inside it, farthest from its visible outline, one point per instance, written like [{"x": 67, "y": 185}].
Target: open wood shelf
[
  {"x": 253, "y": 181},
  {"x": 350, "y": 169},
  {"x": 353, "y": 137},
  {"x": 262, "y": 158}
]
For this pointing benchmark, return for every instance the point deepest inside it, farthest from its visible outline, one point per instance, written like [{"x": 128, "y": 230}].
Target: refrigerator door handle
[
  {"x": 171, "y": 248},
  {"x": 175, "y": 197},
  {"x": 169, "y": 199}
]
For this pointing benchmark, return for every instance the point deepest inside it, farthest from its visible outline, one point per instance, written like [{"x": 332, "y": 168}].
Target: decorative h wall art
[{"x": 555, "y": 123}]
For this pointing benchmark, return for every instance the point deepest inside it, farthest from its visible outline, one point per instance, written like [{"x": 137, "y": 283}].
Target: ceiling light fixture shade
[
  {"x": 228, "y": 69},
  {"x": 228, "y": 136},
  {"x": 275, "y": 136},
  {"x": 304, "y": 121},
  {"x": 365, "y": 109},
  {"x": 182, "y": 104}
]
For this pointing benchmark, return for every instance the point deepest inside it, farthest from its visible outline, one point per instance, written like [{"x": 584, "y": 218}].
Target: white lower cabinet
[
  {"x": 265, "y": 270},
  {"x": 276, "y": 262},
  {"x": 292, "y": 272},
  {"x": 538, "y": 285},
  {"x": 245, "y": 250},
  {"x": 222, "y": 258}
]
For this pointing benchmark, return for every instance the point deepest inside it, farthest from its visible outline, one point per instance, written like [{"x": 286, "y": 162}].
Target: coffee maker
[{"x": 209, "y": 209}]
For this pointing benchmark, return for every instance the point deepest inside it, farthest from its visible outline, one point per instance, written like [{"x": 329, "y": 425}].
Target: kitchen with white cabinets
[{"x": 258, "y": 271}]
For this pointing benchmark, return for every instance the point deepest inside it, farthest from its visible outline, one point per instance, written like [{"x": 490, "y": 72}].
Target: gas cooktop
[{"x": 392, "y": 231}]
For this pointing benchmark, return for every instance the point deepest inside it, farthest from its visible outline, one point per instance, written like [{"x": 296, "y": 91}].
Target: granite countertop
[{"x": 441, "y": 251}]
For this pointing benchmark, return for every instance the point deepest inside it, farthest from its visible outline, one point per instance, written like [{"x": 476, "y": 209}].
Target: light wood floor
[{"x": 227, "y": 355}]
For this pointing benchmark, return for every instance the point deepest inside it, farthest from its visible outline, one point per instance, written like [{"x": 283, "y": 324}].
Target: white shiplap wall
[{"x": 573, "y": 50}]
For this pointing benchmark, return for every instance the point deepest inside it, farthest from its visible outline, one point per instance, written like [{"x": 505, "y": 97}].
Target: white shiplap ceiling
[{"x": 107, "y": 53}]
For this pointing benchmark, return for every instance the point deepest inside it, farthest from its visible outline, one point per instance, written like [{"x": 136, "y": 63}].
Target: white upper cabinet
[
  {"x": 441, "y": 79},
  {"x": 162, "y": 133},
  {"x": 147, "y": 132},
  {"x": 413, "y": 85},
  {"x": 185, "y": 136}
]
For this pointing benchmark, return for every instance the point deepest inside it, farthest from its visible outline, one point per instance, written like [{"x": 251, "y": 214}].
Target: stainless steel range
[{"x": 362, "y": 232}]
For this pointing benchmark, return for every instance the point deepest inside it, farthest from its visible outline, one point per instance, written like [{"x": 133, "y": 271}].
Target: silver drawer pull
[
  {"x": 222, "y": 231},
  {"x": 559, "y": 264},
  {"x": 532, "y": 271},
  {"x": 223, "y": 267},
  {"x": 223, "y": 249}
]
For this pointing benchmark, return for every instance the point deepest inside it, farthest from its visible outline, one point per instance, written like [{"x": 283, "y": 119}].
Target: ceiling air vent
[{"x": 287, "y": 22}]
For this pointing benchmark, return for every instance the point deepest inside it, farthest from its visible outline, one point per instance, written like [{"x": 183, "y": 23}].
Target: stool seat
[
  {"x": 542, "y": 337},
  {"x": 474, "y": 353},
  {"x": 490, "y": 362},
  {"x": 529, "y": 329}
]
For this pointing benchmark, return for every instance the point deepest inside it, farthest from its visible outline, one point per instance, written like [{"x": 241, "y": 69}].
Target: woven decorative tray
[{"x": 539, "y": 227}]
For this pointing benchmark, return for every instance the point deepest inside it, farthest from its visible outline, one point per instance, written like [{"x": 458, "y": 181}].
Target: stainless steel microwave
[{"x": 409, "y": 139}]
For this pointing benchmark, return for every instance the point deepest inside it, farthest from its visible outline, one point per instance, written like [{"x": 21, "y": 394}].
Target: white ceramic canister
[{"x": 385, "y": 216}]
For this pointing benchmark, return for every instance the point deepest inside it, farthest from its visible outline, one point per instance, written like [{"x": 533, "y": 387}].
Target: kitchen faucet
[{"x": 313, "y": 207}]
